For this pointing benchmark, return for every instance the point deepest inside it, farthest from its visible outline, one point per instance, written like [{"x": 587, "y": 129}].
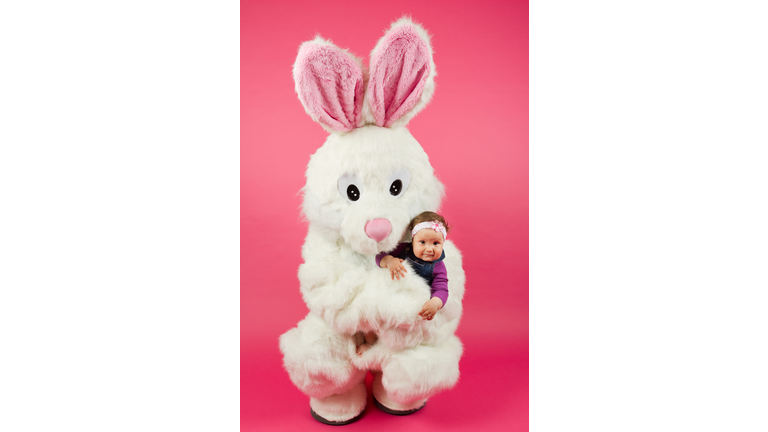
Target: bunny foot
[
  {"x": 340, "y": 409},
  {"x": 389, "y": 406}
]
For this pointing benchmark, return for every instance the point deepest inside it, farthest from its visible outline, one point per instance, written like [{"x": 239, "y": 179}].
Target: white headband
[{"x": 433, "y": 225}]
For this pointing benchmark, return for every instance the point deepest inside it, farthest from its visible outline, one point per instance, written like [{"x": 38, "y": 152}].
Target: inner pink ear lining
[
  {"x": 392, "y": 95},
  {"x": 330, "y": 86},
  {"x": 331, "y": 83}
]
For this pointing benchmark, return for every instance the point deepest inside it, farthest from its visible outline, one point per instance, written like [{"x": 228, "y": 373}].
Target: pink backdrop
[{"x": 475, "y": 131}]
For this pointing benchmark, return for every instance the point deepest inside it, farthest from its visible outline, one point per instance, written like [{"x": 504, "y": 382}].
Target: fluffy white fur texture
[{"x": 347, "y": 293}]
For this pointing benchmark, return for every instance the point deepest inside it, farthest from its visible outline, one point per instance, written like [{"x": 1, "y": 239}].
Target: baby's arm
[
  {"x": 439, "y": 290},
  {"x": 395, "y": 266},
  {"x": 430, "y": 308},
  {"x": 439, "y": 285}
]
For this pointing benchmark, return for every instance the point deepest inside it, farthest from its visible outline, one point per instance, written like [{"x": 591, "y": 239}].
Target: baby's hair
[{"x": 428, "y": 216}]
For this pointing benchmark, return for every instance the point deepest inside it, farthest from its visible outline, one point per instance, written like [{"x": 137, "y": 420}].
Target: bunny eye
[
  {"x": 398, "y": 181},
  {"x": 353, "y": 193},
  {"x": 396, "y": 188},
  {"x": 350, "y": 187}
]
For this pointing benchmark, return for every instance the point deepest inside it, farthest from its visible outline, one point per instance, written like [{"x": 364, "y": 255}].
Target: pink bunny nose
[{"x": 378, "y": 229}]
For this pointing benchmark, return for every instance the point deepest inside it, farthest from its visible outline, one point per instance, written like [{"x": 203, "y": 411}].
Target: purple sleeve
[
  {"x": 398, "y": 250},
  {"x": 440, "y": 282}
]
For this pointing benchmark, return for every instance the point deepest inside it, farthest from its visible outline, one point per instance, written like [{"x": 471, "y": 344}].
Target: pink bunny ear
[
  {"x": 402, "y": 75},
  {"x": 329, "y": 82}
]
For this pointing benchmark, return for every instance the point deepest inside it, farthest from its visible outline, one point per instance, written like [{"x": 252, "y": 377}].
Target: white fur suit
[{"x": 364, "y": 185}]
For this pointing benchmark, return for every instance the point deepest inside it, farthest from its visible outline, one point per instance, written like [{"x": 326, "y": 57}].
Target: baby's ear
[
  {"x": 402, "y": 75},
  {"x": 330, "y": 85}
]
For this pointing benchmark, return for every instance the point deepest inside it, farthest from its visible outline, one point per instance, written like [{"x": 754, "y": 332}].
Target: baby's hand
[
  {"x": 430, "y": 308},
  {"x": 395, "y": 266}
]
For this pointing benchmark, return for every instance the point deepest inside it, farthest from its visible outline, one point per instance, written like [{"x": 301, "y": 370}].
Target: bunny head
[{"x": 371, "y": 177}]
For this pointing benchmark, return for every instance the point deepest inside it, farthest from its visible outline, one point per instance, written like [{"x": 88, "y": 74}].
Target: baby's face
[{"x": 428, "y": 244}]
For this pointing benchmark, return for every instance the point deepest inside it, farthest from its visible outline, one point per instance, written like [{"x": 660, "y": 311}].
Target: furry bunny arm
[
  {"x": 352, "y": 299},
  {"x": 332, "y": 293},
  {"x": 351, "y": 294}
]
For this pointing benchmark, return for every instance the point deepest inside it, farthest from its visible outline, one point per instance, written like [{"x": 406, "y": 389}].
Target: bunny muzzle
[{"x": 369, "y": 231}]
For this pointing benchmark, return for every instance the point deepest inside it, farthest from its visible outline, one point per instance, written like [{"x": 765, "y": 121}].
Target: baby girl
[{"x": 425, "y": 254}]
